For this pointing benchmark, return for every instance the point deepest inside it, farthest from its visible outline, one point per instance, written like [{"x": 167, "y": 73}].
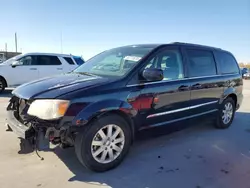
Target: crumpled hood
[{"x": 55, "y": 86}]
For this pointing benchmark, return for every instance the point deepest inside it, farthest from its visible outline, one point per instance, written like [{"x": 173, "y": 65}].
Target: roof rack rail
[{"x": 191, "y": 44}]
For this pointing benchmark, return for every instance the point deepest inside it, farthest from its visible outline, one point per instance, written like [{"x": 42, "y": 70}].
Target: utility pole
[
  {"x": 61, "y": 44},
  {"x": 16, "y": 41},
  {"x": 6, "y": 48}
]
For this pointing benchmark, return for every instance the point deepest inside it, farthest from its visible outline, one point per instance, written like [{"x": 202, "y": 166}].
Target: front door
[
  {"x": 167, "y": 100},
  {"x": 25, "y": 71},
  {"x": 206, "y": 84}
]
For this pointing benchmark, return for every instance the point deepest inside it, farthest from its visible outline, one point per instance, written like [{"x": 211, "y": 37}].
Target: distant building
[{"x": 7, "y": 55}]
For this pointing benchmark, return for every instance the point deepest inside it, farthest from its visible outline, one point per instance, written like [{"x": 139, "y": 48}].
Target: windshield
[
  {"x": 114, "y": 62},
  {"x": 12, "y": 59}
]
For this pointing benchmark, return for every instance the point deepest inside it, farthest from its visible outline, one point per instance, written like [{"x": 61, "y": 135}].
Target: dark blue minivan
[{"x": 99, "y": 107}]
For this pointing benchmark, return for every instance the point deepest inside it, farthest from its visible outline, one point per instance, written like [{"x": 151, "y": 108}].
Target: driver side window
[
  {"x": 170, "y": 62},
  {"x": 27, "y": 60}
]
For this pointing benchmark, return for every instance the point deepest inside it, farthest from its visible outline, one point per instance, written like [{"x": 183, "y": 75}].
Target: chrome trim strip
[
  {"x": 176, "y": 120},
  {"x": 203, "y": 104},
  {"x": 179, "y": 80},
  {"x": 168, "y": 112},
  {"x": 180, "y": 110}
]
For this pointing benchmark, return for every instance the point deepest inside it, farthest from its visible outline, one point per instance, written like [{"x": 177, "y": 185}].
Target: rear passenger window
[
  {"x": 69, "y": 60},
  {"x": 48, "y": 60},
  {"x": 227, "y": 63},
  {"x": 201, "y": 63}
]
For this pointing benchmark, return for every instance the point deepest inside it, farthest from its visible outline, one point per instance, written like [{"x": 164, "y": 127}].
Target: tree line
[{"x": 244, "y": 65}]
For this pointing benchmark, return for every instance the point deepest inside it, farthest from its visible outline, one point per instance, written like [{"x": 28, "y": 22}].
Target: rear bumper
[{"x": 18, "y": 128}]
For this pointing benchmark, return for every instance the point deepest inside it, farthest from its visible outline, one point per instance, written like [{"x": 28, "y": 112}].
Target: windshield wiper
[{"x": 85, "y": 73}]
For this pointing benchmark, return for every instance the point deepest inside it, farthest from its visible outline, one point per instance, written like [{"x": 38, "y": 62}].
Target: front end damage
[{"x": 36, "y": 134}]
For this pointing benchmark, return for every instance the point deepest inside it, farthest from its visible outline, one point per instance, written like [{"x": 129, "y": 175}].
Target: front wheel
[
  {"x": 103, "y": 144},
  {"x": 226, "y": 114},
  {"x": 2, "y": 85}
]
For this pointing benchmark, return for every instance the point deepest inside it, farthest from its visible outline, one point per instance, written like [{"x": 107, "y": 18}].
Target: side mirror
[
  {"x": 15, "y": 63},
  {"x": 153, "y": 74}
]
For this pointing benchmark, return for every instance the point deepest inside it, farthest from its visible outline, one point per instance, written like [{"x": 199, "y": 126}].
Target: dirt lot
[{"x": 196, "y": 157}]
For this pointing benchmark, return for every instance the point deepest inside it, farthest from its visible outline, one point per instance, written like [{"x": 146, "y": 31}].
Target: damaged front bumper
[
  {"x": 34, "y": 138},
  {"x": 21, "y": 130},
  {"x": 38, "y": 133},
  {"x": 30, "y": 139}
]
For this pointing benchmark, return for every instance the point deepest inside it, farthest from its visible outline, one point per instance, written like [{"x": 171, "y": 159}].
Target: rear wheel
[
  {"x": 226, "y": 114},
  {"x": 2, "y": 85},
  {"x": 104, "y": 143}
]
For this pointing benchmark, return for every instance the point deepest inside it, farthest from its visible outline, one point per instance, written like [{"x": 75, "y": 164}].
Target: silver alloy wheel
[
  {"x": 227, "y": 113},
  {"x": 107, "y": 143}
]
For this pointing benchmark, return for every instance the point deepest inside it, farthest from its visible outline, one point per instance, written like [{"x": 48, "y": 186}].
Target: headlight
[{"x": 48, "y": 109}]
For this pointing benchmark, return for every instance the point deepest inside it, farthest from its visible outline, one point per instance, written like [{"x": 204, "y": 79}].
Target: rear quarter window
[
  {"x": 227, "y": 63},
  {"x": 79, "y": 60}
]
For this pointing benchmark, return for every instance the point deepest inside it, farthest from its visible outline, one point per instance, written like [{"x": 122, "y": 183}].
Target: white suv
[{"x": 31, "y": 66}]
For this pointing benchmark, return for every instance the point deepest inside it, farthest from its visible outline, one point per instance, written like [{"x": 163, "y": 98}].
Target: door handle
[
  {"x": 183, "y": 88},
  {"x": 197, "y": 86},
  {"x": 33, "y": 68},
  {"x": 59, "y": 69}
]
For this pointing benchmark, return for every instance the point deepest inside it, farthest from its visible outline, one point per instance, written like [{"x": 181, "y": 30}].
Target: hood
[{"x": 55, "y": 86}]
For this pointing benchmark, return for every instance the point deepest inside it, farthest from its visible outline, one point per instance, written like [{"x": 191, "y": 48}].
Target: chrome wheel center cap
[{"x": 107, "y": 143}]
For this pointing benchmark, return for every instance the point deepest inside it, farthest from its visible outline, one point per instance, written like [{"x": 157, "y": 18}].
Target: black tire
[
  {"x": 84, "y": 139},
  {"x": 219, "y": 122},
  {"x": 2, "y": 85}
]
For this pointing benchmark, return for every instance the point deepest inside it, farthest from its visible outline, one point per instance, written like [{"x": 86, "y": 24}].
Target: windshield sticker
[{"x": 132, "y": 58}]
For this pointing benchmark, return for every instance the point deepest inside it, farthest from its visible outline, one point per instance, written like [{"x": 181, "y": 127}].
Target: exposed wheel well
[
  {"x": 5, "y": 82},
  {"x": 234, "y": 97}
]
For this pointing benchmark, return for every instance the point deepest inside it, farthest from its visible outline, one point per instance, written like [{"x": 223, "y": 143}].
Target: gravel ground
[{"x": 196, "y": 157}]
